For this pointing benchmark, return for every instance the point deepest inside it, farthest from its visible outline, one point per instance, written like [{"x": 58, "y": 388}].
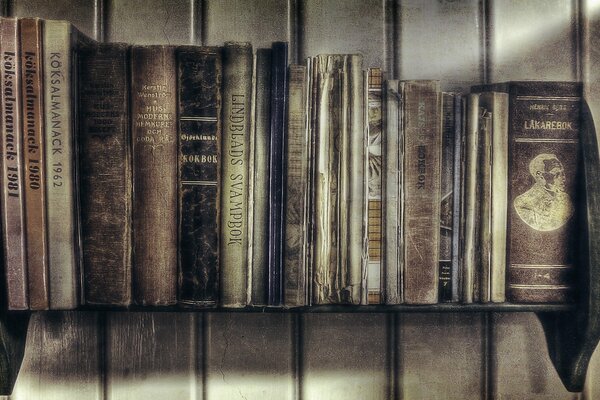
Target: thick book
[
  {"x": 279, "y": 84},
  {"x": 422, "y": 159},
  {"x": 470, "y": 259},
  {"x": 392, "y": 164},
  {"x": 376, "y": 139},
  {"x": 199, "y": 114},
  {"x": 482, "y": 285},
  {"x": 13, "y": 193},
  {"x": 32, "y": 97},
  {"x": 61, "y": 42},
  {"x": 296, "y": 221},
  {"x": 106, "y": 173},
  {"x": 259, "y": 259},
  {"x": 543, "y": 175},
  {"x": 339, "y": 206},
  {"x": 237, "y": 95},
  {"x": 154, "y": 133}
]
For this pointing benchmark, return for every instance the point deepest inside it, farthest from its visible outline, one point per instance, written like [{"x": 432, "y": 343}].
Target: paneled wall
[{"x": 118, "y": 356}]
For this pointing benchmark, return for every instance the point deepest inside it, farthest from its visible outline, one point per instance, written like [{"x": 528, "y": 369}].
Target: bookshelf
[{"x": 442, "y": 351}]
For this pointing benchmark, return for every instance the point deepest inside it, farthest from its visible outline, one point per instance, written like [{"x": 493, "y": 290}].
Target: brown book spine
[
  {"x": 105, "y": 187},
  {"x": 33, "y": 140},
  {"x": 13, "y": 216},
  {"x": 422, "y": 146},
  {"x": 154, "y": 132},
  {"x": 543, "y": 176}
]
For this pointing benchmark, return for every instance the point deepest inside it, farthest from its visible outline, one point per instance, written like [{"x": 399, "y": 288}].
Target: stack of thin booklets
[{"x": 226, "y": 177}]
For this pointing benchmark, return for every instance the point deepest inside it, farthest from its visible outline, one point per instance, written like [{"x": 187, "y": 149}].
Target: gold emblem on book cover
[{"x": 545, "y": 206}]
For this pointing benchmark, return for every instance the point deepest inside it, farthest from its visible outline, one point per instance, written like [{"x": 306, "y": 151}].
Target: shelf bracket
[{"x": 572, "y": 336}]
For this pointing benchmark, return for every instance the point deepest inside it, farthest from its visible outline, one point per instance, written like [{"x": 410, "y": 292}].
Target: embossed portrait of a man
[{"x": 545, "y": 206}]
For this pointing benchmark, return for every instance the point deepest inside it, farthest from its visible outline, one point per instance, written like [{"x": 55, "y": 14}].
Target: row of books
[{"x": 219, "y": 176}]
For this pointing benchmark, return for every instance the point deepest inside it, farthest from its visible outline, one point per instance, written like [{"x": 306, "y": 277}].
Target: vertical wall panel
[
  {"x": 441, "y": 356},
  {"x": 151, "y": 356},
  {"x": 441, "y": 40},
  {"x": 84, "y": 14},
  {"x": 532, "y": 40},
  {"x": 249, "y": 356},
  {"x": 352, "y": 26},
  {"x": 62, "y": 358},
  {"x": 151, "y": 21},
  {"x": 344, "y": 357},
  {"x": 259, "y": 22},
  {"x": 528, "y": 40}
]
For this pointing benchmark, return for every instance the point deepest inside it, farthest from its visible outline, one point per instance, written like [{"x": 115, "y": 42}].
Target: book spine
[
  {"x": 153, "y": 113},
  {"x": 447, "y": 198},
  {"x": 472, "y": 184},
  {"x": 237, "y": 95},
  {"x": 357, "y": 202},
  {"x": 375, "y": 140},
  {"x": 392, "y": 148},
  {"x": 260, "y": 209},
  {"x": 13, "y": 194},
  {"x": 106, "y": 174},
  {"x": 276, "y": 182},
  {"x": 296, "y": 190},
  {"x": 422, "y": 191},
  {"x": 543, "y": 175},
  {"x": 485, "y": 199},
  {"x": 34, "y": 150},
  {"x": 458, "y": 195},
  {"x": 199, "y": 113},
  {"x": 63, "y": 268}
]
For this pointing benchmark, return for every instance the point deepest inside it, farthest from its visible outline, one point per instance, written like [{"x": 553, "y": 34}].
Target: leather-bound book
[
  {"x": 422, "y": 159},
  {"x": 199, "y": 101},
  {"x": 105, "y": 184},
  {"x": 32, "y": 97},
  {"x": 543, "y": 179},
  {"x": 13, "y": 194},
  {"x": 154, "y": 133}
]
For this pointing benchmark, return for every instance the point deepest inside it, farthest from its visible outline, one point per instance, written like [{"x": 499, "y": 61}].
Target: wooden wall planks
[{"x": 330, "y": 356}]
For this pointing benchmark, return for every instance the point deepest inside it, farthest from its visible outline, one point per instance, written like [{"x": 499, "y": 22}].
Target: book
[
  {"x": 32, "y": 97},
  {"x": 106, "y": 173},
  {"x": 470, "y": 261},
  {"x": 376, "y": 140},
  {"x": 199, "y": 114},
  {"x": 279, "y": 56},
  {"x": 422, "y": 159},
  {"x": 296, "y": 221},
  {"x": 392, "y": 164},
  {"x": 458, "y": 194},
  {"x": 259, "y": 258},
  {"x": 497, "y": 183},
  {"x": 483, "y": 274},
  {"x": 13, "y": 192},
  {"x": 154, "y": 137},
  {"x": 339, "y": 206},
  {"x": 237, "y": 95},
  {"x": 446, "y": 282},
  {"x": 543, "y": 177},
  {"x": 61, "y": 42}
]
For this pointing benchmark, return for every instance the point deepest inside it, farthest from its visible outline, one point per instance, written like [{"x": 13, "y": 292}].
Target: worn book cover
[
  {"x": 106, "y": 173},
  {"x": 422, "y": 159},
  {"x": 13, "y": 192},
  {"x": 237, "y": 95},
  {"x": 36, "y": 218},
  {"x": 199, "y": 113},
  {"x": 154, "y": 137}
]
